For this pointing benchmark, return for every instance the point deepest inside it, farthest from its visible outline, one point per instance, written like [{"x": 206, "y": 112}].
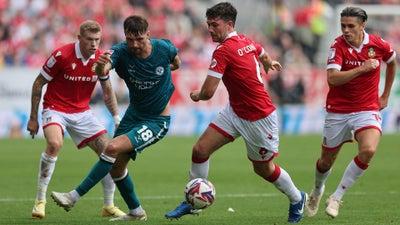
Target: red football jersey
[
  {"x": 361, "y": 93},
  {"x": 235, "y": 60},
  {"x": 71, "y": 79}
]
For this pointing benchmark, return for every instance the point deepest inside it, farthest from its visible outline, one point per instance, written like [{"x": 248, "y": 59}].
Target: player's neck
[
  {"x": 359, "y": 41},
  {"x": 147, "y": 51},
  {"x": 85, "y": 55}
]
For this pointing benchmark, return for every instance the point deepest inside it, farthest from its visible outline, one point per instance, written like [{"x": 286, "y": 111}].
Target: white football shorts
[
  {"x": 83, "y": 127},
  {"x": 261, "y": 136},
  {"x": 340, "y": 128}
]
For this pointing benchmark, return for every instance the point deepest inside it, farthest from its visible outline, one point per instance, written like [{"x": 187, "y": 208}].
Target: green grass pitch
[{"x": 160, "y": 174}]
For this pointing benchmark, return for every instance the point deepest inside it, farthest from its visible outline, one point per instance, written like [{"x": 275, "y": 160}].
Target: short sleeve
[
  {"x": 218, "y": 63},
  {"x": 335, "y": 57},
  {"x": 388, "y": 52},
  {"x": 259, "y": 49},
  {"x": 52, "y": 65},
  {"x": 172, "y": 50}
]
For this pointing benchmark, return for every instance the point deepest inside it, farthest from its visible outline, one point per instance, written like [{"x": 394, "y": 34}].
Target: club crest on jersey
[
  {"x": 371, "y": 53},
  {"x": 213, "y": 63},
  {"x": 159, "y": 70},
  {"x": 50, "y": 63},
  {"x": 73, "y": 65},
  {"x": 331, "y": 53}
]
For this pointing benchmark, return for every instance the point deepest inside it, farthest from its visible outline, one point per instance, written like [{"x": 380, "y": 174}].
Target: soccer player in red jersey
[
  {"x": 250, "y": 112},
  {"x": 352, "y": 104},
  {"x": 70, "y": 78}
]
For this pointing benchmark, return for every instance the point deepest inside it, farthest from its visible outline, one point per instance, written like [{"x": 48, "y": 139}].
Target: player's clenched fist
[
  {"x": 370, "y": 64},
  {"x": 102, "y": 61}
]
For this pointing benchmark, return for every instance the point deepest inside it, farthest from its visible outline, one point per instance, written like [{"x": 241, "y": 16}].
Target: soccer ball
[{"x": 200, "y": 193}]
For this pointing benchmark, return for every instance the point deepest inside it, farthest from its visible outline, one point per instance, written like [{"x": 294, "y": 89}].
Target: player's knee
[
  {"x": 111, "y": 150},
  {"x": 53, "y": 146}
]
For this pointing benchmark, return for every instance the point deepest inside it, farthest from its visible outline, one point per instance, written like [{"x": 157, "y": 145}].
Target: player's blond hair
[{"x": 90, "y": 26}]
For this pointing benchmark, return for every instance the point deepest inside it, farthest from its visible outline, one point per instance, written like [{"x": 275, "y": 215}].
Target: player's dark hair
[
  {"x": 354, "y": 12},
  {"x": 223, "y": 10},
  {"x": 135, "y": 25}
]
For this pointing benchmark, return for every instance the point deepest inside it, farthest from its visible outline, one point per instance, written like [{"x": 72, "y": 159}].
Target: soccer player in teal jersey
[{"x": 145, "y": 64}]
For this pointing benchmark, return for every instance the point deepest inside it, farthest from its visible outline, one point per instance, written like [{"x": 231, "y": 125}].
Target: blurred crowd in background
[{"x": 291, "y": 31}]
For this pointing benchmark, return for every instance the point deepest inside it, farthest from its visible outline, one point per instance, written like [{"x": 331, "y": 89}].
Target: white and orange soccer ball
[{"x": 200, "y": 193}]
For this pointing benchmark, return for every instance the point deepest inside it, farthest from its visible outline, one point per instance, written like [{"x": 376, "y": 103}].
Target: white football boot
[
  {"x": 332, "y": 206},
  {"x": 312, "y": 204}
]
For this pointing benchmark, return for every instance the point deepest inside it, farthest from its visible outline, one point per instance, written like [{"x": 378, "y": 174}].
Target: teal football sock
[
  {"x": 127, "y": 190},
  {"x": 98, "y": 172}
]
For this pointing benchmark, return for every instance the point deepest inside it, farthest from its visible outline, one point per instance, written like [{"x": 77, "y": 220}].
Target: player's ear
[{"x": 148, "y": 34}]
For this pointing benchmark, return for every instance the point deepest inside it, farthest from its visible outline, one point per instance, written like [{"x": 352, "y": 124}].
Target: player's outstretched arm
[
  {"x": 207, "y": 89},
  {"x": 268, "y": 63},
  {"x": 110, "y": 100},
  {"x": 390, "y": 74},
  {"x": 176, "y": 63},
  {"x": 33, "y": 124},
  {"x": 336, "y": 77}
]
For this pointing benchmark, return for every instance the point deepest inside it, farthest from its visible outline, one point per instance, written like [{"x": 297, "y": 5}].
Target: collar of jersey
[
  {"x": 231, "y": 34},
  {"x": 79, "y": 53}
]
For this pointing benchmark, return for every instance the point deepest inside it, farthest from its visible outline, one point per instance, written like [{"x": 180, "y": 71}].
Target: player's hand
[
  {"x": 104, "y": 58},
  {"x": 194, "y": 95},
  {"x": 33, "y": 127},
  {"x": 101, "y": 62},
  {"x": 383, "y": 102},
  {"x": 370, "y": 64},
  {"x": 275, "y": 65}
]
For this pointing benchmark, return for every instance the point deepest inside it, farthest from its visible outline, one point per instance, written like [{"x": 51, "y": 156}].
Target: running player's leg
[
  {"x": 53, "y": 132},
  {"x": 217, "y": 134},
  {"x": 336, "y": 132},
  {"x": 126, "y": 187},
  {"x": 98, "y": 145},
  {"x": 368, "y": 140}
]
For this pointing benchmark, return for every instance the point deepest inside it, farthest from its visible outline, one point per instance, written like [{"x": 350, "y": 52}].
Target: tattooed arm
[
  {"x": 33, "y": 124},
  {"x": 110, "y": 100}
]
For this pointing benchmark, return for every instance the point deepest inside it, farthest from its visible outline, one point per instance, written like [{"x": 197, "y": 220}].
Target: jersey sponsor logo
[
  {"x": 353, "y": 62},
  {"x": 213, "y": 63},
  {"x": 371, "y": 52},
  {"x": 246, "y": 49},
  {"x": 50, "y": 63},
  {"x": 331, "y": 53},
  {"x": 81, "y": 78},
  {"x": 143, "y": 85},
  {"x": 159, "y": 70}
]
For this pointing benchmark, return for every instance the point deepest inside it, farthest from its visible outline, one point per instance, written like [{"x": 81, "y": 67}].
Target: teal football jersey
[{"x": 148, "y": 80}]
